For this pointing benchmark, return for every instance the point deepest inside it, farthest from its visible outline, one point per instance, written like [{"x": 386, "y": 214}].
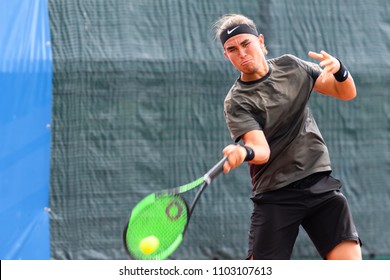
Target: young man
[{"x": 267, "y": 110}]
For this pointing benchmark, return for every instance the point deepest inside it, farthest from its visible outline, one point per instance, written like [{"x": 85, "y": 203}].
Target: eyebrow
[{"x": 246, "y": 41}]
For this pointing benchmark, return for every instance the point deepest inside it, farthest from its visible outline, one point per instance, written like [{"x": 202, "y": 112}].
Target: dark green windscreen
[{"x": 138, "y": 107}]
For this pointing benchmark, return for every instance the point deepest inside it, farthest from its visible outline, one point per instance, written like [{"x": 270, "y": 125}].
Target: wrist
[
  {"x": 342, "y": 74},
  {"x": 250, "y": 154}
]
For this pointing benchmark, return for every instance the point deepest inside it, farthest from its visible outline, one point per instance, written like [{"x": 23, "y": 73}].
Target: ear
[
  {"x": 262, "y": 45},
  {"x": 261, "y": 39},
  {"x": 224, "y": 53}
]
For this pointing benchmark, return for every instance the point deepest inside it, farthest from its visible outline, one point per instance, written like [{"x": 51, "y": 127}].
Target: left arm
[{"x": 326, "y": 82}]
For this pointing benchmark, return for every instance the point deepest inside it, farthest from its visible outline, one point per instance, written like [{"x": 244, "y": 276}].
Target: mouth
[{"x": 245, "y": 62}]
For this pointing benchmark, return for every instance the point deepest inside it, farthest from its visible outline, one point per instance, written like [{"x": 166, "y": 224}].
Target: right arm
[{"x": 236, "y": 154}]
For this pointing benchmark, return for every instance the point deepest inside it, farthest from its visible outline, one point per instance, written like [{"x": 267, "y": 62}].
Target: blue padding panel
[{"x": 25, "y": 121}]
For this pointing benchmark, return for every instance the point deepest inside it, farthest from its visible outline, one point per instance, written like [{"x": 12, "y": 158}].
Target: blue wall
[{"x": 25, "y": 118}]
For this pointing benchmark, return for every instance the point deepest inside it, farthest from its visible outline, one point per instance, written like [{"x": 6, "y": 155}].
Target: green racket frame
[{"x": 165, "y": 215}]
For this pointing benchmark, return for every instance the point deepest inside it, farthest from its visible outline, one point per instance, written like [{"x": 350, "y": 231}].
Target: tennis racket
[{"x": 157, "y": 223}]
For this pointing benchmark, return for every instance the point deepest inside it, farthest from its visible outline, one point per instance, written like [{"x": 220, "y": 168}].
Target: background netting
[{"x": 138, "y": 107}]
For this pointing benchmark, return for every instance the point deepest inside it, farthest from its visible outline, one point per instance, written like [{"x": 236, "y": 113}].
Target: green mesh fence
[{"x": 138, "y": 107}]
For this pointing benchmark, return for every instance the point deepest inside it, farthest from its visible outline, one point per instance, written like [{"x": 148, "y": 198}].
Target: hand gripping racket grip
[{"x": 214, "y": 171}]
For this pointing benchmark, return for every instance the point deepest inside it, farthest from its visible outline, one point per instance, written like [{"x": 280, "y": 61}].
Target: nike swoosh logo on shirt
[{"x": 231, "y": 30}]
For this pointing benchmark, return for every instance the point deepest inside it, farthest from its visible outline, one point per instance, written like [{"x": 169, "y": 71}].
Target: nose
[{"x": 242, "y": 52}]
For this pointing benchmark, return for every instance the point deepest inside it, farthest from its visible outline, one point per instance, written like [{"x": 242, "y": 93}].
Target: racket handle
[{"x": 214, "y": 171}]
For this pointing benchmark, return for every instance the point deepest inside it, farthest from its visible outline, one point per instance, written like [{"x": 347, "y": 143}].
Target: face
[{"x": 245, "y": 52}]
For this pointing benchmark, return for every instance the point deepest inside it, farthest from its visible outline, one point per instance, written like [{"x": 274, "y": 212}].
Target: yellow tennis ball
[{"x": 149, "y": 245}]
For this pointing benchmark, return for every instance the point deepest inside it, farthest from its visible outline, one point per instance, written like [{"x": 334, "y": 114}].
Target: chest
[{"x": 281, "y": 101}]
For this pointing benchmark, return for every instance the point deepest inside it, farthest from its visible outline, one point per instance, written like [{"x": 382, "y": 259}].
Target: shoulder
[
  {"x": 286, "y": 60},
  {"x": 239, "y": 98},
  {"x": 289, "y": 61},
  {"x": 229, "y": 99},
  {"x": 230, "y": 93}
]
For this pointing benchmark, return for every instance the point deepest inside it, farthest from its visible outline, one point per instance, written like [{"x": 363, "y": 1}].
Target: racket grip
[{"x": 214, "y": 171}]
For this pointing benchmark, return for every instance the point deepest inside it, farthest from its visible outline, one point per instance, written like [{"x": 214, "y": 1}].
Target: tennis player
[{"x": 266, "y": 109}]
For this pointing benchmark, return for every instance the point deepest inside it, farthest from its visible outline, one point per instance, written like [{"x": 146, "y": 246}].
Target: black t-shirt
[{"x": 277, "y": 104}]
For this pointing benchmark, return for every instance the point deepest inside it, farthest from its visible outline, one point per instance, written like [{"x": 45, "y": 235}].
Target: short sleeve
[
  {"x": 240, "y": 119},
  {"x": 313, "y": 69}
]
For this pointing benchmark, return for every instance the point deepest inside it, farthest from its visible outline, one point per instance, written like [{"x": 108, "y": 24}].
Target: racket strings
[{"x": 165, "y": 218}]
